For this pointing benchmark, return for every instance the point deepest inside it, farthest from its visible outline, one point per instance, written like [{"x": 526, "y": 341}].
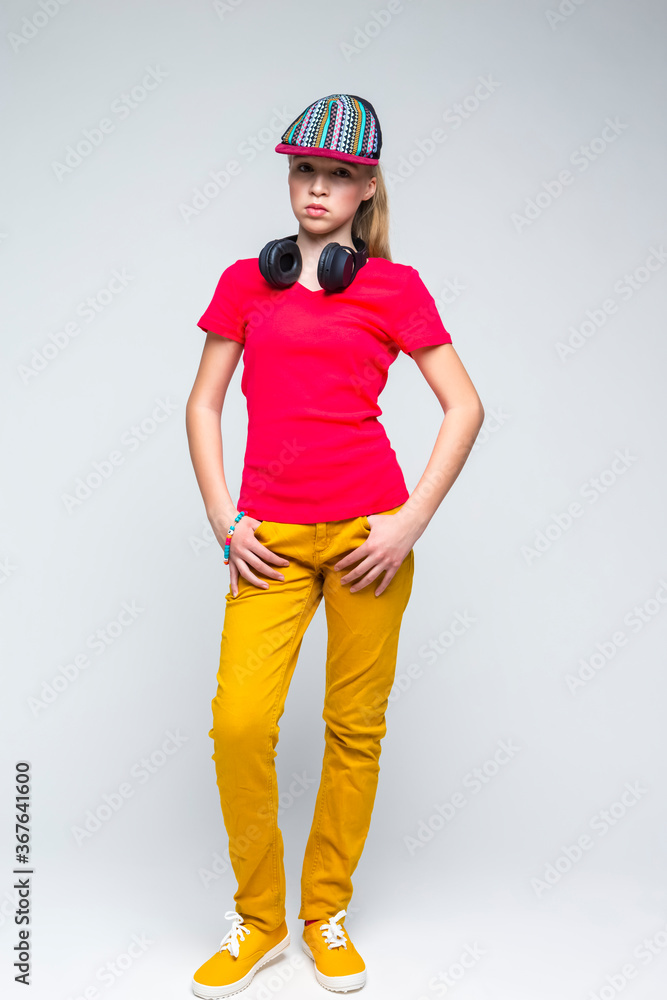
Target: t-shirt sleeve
[
  {"x": 416, "y": 321},
  {"x": 223, "y": 315}
]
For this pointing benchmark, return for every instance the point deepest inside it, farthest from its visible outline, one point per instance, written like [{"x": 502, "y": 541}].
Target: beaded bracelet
[{"x": 230, "y": 532}]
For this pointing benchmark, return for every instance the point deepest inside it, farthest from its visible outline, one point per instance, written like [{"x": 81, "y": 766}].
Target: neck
[{"x": 311, "y": 245}]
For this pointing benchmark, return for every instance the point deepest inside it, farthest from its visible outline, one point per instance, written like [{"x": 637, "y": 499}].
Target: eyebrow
[{"x": 339, "y": 163}]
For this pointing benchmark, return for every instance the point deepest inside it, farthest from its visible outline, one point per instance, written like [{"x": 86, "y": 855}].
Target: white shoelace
[
  {"x": 231, "y": 939},
  {"x": 332, "y": 933}
]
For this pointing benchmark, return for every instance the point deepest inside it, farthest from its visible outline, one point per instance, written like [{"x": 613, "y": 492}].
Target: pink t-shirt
[{"x": 314, "y": 364}]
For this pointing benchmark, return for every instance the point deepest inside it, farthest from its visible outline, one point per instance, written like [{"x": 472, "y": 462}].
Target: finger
[
  {"x": 355, "y": 573},
  {"x": 248, "y": 575},
  {"x": 385, "y": 583},
  {"x": 263, "y": 565},
  {"x": 362, "y": 572},
  {"x": 350, "y": 558},
  {"x": 363, "y": 562},
  {"x": 233, "y": 579},
  {"x": 274, "y": 557},
  {"x": 364, "y": 582}
]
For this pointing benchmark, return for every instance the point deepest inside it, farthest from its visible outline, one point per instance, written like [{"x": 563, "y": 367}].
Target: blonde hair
[{"x": 371, "y": 220}]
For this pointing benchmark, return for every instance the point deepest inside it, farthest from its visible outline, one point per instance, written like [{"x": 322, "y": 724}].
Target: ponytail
[{"x": 371, "y": 221}]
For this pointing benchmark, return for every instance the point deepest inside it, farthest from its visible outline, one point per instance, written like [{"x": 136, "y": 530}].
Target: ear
[{"x": 371, "y": 189}]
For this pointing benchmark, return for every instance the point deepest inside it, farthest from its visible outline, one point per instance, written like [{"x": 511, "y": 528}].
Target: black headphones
[{"x": 280, "y": 262}]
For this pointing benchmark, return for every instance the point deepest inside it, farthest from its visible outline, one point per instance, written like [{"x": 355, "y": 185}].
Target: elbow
[
  {"x": 480, "y": 413},
  {"x": 473, "y": 410}
]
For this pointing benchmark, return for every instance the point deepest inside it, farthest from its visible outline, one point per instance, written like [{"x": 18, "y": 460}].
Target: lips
[{"x": 316, "y": 209}]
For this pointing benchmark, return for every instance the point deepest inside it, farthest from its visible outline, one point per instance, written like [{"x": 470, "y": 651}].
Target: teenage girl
[{"x": 323, "y": 512}]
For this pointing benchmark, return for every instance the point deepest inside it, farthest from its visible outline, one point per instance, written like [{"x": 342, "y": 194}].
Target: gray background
[{"x": 553, "y": 429}]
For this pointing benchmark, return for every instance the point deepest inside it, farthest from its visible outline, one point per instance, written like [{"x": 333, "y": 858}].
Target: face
[{"x": 338, "y": 187}]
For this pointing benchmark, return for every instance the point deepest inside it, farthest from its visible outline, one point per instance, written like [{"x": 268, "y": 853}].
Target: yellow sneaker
[
  {"x": 242, "y": 951},
  {"x": 338, "y": 964}
]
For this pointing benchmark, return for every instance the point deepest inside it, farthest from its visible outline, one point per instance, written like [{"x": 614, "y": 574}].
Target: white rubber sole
[
  {"x": 213, "y": 992},
  {"x": 339, "y": 984}
]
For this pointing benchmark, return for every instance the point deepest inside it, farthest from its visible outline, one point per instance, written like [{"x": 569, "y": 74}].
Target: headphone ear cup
[
  {"x": 335, "y": 268},
  {"x": 361, "y": 252},
  {"x": 280, "y": 262}
]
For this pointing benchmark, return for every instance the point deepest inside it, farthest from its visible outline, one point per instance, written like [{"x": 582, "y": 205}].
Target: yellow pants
[{"x": 262, "y": 635}]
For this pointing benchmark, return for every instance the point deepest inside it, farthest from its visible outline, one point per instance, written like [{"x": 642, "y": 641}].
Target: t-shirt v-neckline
[
  {"x": 320, "y": 291},
  {"x": 310, "y": 291}
]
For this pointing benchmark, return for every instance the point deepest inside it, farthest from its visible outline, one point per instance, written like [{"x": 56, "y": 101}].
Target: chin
[{"x": 317, "y": 225}]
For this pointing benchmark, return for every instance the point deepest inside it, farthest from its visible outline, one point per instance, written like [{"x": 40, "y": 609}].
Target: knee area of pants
[
  {"x": 364, "y": 741},
  {"x": 246, "y": 728}
]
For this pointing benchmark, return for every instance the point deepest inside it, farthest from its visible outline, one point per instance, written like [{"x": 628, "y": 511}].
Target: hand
[
  {"x": 245, "y": 550},
  {"x": 384, "y": 550}
]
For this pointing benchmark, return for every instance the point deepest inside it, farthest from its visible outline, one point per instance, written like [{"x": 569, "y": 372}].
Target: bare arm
[
  {"x": 392, "y": 537},
  {"x": 203, "y": 413},
  {"x": 464, "y": 415}
]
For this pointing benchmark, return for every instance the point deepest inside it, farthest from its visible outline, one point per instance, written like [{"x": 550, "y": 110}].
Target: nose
[{"x": 318, "y": 184}]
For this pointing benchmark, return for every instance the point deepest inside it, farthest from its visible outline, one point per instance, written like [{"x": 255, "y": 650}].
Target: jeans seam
[
  {"x": 274, "y": 712},
  {"x": 318, "y": 822},
  {"x": 325, "y": 770},
  {"x": 323, "y": 788}
]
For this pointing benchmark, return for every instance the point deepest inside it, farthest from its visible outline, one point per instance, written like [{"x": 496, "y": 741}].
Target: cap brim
[{"x": 332, "y": 154}]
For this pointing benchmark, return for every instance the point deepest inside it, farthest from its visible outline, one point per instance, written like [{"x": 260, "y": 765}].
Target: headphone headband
[{"x": 280, "y": 263}]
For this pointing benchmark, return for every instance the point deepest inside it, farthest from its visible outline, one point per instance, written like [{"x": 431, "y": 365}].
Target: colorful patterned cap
[{"x": 342, "y": 126}]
